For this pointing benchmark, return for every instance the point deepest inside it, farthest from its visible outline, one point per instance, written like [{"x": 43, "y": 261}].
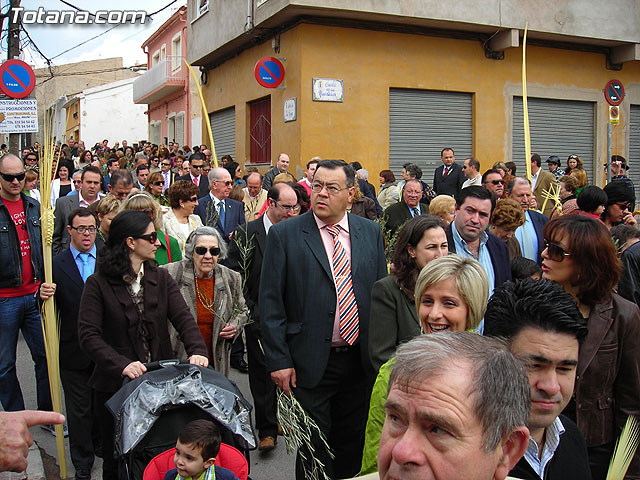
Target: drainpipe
[{"x": 249, "y": 25}]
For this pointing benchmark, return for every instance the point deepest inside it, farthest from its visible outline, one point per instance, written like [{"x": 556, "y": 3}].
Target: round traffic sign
[
  {"x": 614, "y": 92},
  {"x": 269, "y": 72},
  {"x": 17, "y": 79}
]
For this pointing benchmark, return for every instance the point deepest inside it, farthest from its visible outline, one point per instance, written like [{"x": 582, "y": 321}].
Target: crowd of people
[{"x": 482, "y": 326}]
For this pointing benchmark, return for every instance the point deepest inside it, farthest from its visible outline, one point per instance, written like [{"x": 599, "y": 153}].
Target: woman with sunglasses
[
  {"x": 213, "y": 293},
  {"x": 168, "y": 250},
  {"x": 619, "y": 208},
  {"x": 154, "y": 186},
  {"x": 180, "y": 221},
  {"x": 125, "y": 311},
  {"x": 581, "y": 256}
]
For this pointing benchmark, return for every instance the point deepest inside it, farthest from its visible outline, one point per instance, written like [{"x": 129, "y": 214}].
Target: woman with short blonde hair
[{"x": 444, "y": 206}]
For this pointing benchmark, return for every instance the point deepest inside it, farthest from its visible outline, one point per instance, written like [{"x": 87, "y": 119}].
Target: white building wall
[
  {"x": 196, "y": 132},
  {"x": 108, "y": 112}
]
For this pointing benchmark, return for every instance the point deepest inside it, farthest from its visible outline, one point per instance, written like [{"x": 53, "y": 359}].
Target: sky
[{"x": 123, "y": 41}]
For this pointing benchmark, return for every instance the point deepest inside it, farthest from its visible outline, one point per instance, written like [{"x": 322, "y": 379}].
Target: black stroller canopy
[{"x": 139, "y": 403}]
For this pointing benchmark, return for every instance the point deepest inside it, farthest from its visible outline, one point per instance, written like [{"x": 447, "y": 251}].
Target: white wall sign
[
  {"x": 290, "y": 109},
  {"x": 19, "y": 116},
  {"x": 327, "y": 90}
]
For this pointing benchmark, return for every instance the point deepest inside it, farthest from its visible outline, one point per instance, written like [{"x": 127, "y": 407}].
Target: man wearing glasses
[
  {"x": 71, "y": 268},
  {"x": 315, "y": 298},
  {"x": 168, "y": 175},
  {"x": 20, "y": 276},
  {"x": 283, "y": 204},
  {"x": 492, "y": 181},
  {"x": 216, "y": 209},
  {"x": 529, "y": 235},
  {"x": 196, "y": 164}
]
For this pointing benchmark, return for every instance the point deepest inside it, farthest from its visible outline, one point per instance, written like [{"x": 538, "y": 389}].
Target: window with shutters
[
  {"x": 260, "y": 130},
  {"x": 171, "y": 127},
  {"x": 223, "y": 127},
  {"x": 179, "y": 139},
  {"x": 634, "y": 149}
]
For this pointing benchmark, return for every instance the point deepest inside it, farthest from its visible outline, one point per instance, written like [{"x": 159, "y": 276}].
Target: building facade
[
  {"x": 389, "y": 82},
  {"x": 174, "y": 108}
]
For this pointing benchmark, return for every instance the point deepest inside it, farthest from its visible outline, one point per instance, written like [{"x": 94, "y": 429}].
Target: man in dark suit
[
  {"x": 168, "y": 175},
  {"x": 70, "y": 270},
  {"x": 89, "y": 193},
  {"x": 468, "y": 237},
  {"x": 196, "y": 164},
  {"x": 283, "y": 204},
  {"x": 448, "y": 177},
  {"x": 216, "y": 209},
  {"x": 529, "y": 235},
  {"x": 409, "y": 207},
  {"x": 112, "y": 166},
  {"x": 315, "y": 297}
]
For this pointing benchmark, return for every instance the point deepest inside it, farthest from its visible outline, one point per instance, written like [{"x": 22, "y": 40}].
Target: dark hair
[
  {"x": 197, "y": 156},
  {"x": 523, "y": 267},
  {"x": 511, "y": 166},
  {"x": 225, "y": 157},
  {"x": 334, "y": 165},
  {"x": 540, "y": 304},
  {"x": 623, "y": 233},
  {"x": 114, "y": 259},
  {"x": 535, "y": 158},
  {"x": 303, "y": 197},
  {"x": 231, "y": 167},
  {"x": 406, "y": 271},
  {"x": 121, "y": 176},
  {"x": 445, "y": 149},
  {"x": 590, "y": 198},
  {"x": 91, "y": 169},
  {"x": 355, "y": 165},
  {"x": 414, "y": 171},
  {"x": 596, "y": 264},
  {"x": 181, "y": 190},
  {"x": 618, "y": 191},
  {"x": 139, "y": 168},
  {"x": 388, "y": 176},
  {"x": 489, "y": 172},
  {"x": 475, "y": 191},
  {"x": 68, "y": 164},
  {"x": 111, "y": 161},
  {"x": 311, "y": 162},
  {"x": 473, "y": 162},
  {"x": 81, "y": 212},
  {"x": 204, "y": 434}
]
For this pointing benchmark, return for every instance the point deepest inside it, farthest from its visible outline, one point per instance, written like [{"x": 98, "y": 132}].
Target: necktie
[
  {"x": 85, "y": 266},
  {"x": 166, "y": 181},
  {"x": 221, "y": 214},
  {"x": 445, "y": 171},
  {"x": 347, "y": 306},
  {"x": 416, "y": 212},
  {"x": 195, "y": 180}
]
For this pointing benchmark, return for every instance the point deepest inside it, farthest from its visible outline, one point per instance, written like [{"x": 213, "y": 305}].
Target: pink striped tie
[{"x": 347, "y": 306}]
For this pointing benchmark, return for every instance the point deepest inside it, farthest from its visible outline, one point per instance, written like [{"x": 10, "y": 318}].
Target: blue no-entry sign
[
  {"x": 269, "y": 72},
  {"x": 17, "y": 79}
]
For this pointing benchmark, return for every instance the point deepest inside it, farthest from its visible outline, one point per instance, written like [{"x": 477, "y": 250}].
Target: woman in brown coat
[
  {"x": 125, "y": 310},
  {"x": 581, "y": 257}
]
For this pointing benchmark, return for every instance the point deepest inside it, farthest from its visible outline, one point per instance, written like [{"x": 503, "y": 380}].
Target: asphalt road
[{"x": 273, "y": 465}]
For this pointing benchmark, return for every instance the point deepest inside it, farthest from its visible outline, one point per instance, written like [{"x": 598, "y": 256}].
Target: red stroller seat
[{"x": 228, "y": 457}]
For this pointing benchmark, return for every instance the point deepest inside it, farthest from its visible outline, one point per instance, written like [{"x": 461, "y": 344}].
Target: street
[{"x": 276, "y": 464}]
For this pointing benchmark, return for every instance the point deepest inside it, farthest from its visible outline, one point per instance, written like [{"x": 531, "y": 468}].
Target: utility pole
[{"x": 13, "y": 48}]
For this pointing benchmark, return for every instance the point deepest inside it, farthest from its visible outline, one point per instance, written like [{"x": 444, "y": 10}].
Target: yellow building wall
[
  {"x": 72, "y": 124},
  {"x": 370, "y": 63}
]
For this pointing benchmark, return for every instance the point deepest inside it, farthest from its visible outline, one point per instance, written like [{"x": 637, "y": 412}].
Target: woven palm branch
[
  {"x": 625, "y": 449},
  {"x": 50, "y": 321},
  {"x": 553, "y": 194}
]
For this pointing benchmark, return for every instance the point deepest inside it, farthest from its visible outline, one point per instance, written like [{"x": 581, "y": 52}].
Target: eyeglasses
[
  {"x": 496, "y": 182},
  {"x": 624, "y": 205},
  {"x": 214, "y": 251},
  {"x": 317, "y": 187},
  {"x": 77, "y": 182},
  {"x": 227, "y": 183},
  {"x": 158, "y": 183},
  {"x": 288, "y": 208},
  {"x": 148, "y": 212},
  {"x": 82, "y": 229},
  {"x": 10, "y": 178},
  {"x": 199, "y": 167},
  {"x": 555, "y": 252},
  {"x": 193, "y": 199},
  {"x": 464, "y": 167},
  {"x": 149, "y": 237},
  {"x": 166, "y": 164}
]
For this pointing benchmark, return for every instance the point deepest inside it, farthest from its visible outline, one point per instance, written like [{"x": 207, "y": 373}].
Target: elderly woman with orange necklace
[{"x": 213, "y": 293}]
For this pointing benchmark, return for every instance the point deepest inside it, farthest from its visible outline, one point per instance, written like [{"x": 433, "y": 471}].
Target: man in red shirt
[{"x": 20, "y": 276}]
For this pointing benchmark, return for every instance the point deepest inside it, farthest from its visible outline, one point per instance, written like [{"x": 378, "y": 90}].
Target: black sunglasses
[
  {"x": 10, "y": 178},
  {"x": 214, "y": 251},
  {"x": 166, "y": 164},
  {"x": 158, "y": 183},
  {"x": 497, "y": 182},
  {"x": 555, "y": 252},
  {"x": 149, "y": 237}
]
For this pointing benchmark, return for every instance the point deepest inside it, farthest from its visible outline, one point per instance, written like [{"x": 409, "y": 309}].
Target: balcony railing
[{"x": 164, "y": 78}]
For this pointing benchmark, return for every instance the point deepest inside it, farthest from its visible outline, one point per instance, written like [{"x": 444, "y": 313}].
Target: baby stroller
[{"x": 151, "y": 410}]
